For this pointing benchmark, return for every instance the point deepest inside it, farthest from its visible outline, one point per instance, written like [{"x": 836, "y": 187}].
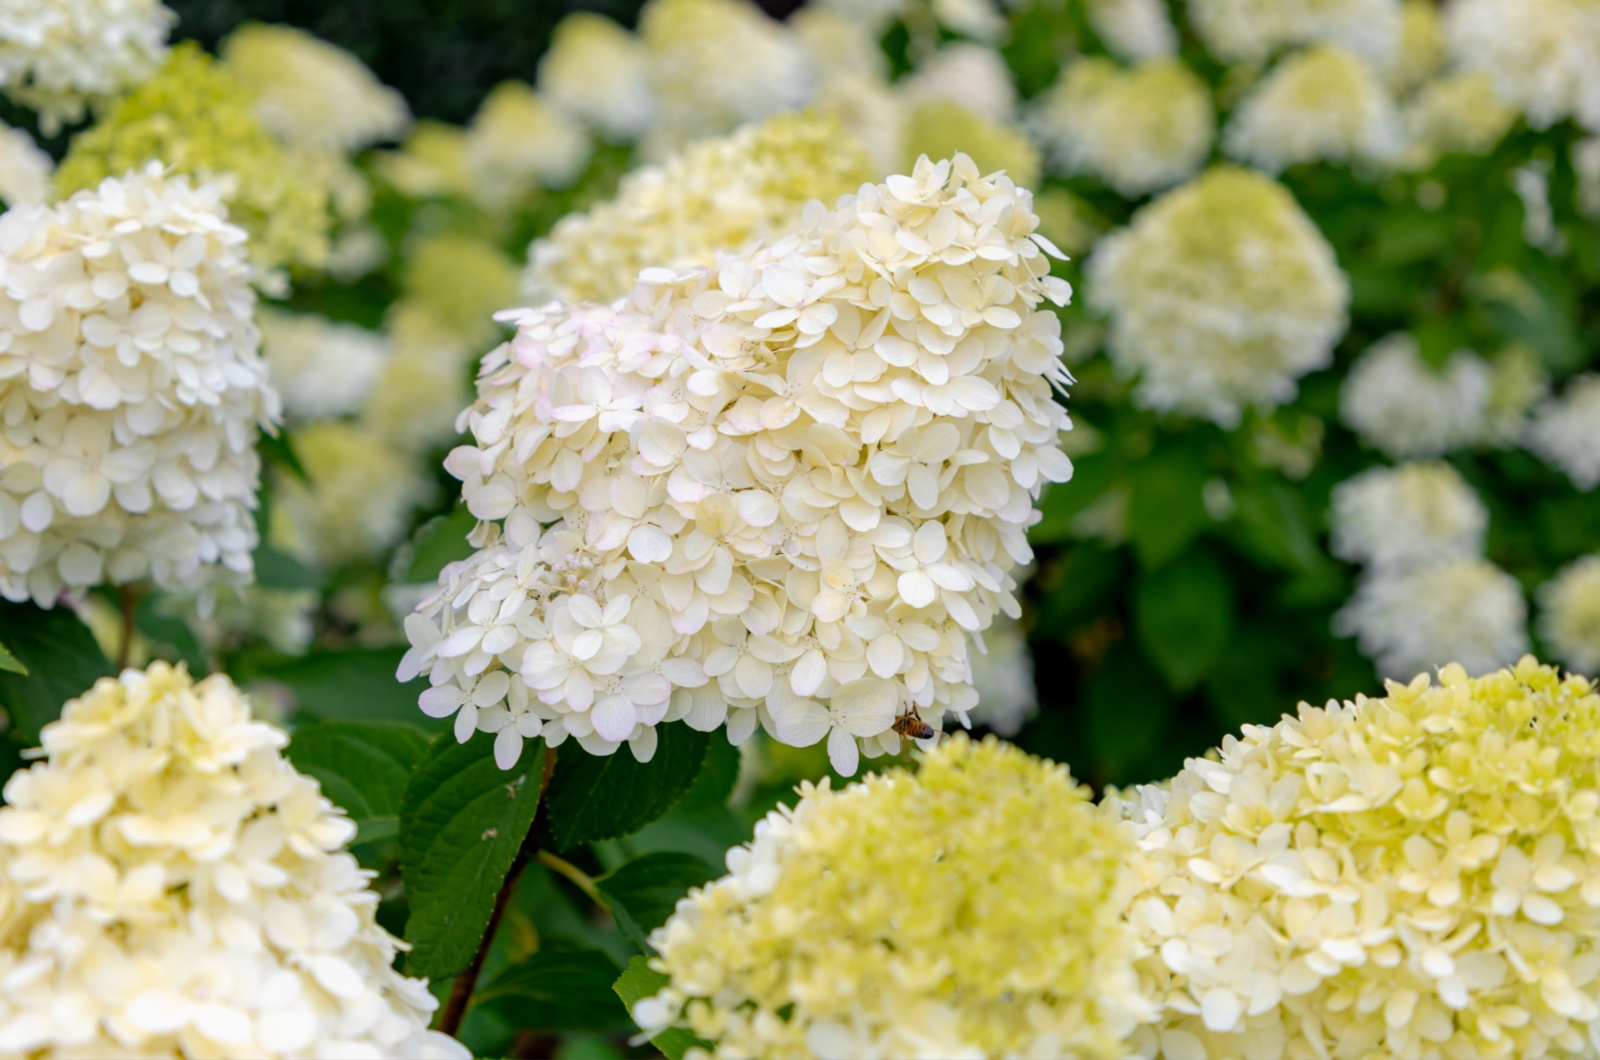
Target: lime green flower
[
  {"x": 462, "y": 282},
  {"x": 942, "y": 129}
]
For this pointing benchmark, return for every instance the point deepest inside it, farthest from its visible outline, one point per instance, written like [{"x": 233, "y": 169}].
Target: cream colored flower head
[
  {"x": 1422, "y": 50},
  {"x": 1221, "y": 294},
  {"x": 25, "y": 170},
  {"x": 1323, "y": 104},
  {"x": 788, "y": 490},
  {"x": 312, "y": 94},
  {"x": 1134, "y": 30},
  {"x": 1413, "y": 875},
  {"x": 61, "y": 57},
  {"x": 172, "y": 887},
  {"x": 1454, "y": 114},
  {"x": 131, "y": 391},
  {"x": 322, "y": 368},
  {"x": 1569, "y": 620},
  {"x": 940, "y": 128},
  {"x": 424, "y": 382},
  {"x": 973, "y": 75},
  {"x": 1406, "y": 517},
  {"x": 969, "y": 909},
  {"x": 599, "y": 73},
  {"x": 717, "y": 195},
  {"x": 1565, "y": 431},
  {"x": 1543, "y": 56},
  {"x": 519, "y": 141},
  {"x": 1140, "y": 130},
  {"x": 1240, "y": 31},
  {"x": 1410, "y": 620}
]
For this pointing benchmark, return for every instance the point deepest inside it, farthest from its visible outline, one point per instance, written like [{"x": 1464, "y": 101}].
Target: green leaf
[
  {"x": 10, "y": 663},
  {"x": 1062, "y": 502},
  {"x": 559, "y": 988},
  {"x": 169, "y": 634},
  {"x": 354, "y": 684},
  {"x": 363, "y": 766},
  {"x": 1128, "y": 712},
  {"x": 714, "y": 783},
  {"x": 1167, "y": 509},
  {"x": 642, "y": 893},
  {"x": 638, "y": 981},
  {"x": 279, "y": 570},
  {"x": 462, "y": 822},
  {"x": 440, "y": 541},
  {"x": 60, "y": 661},
  {"x": 608, "y": 796},
  {"x": 1184, "y": 616},
  {"x": 1275, "y": 526}
]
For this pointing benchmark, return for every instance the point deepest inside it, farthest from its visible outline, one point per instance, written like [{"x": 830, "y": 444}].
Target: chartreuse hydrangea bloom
[
  {"x": 1455, "y": 114},
  {"x": 462, "y": 281},
  {"x": 969, "y": 909},
  {"x": 1413, "y": 875},
  {"x": 1323, "y": 104},
  {"x": 717, "y": 195},
  {"x": 519, "y": 141},
  {"x": 1421, "y": 52},
  {"x": 425, "y": 381},
  {"x": 1569, "y": 622},
  {"x": 939, "y": 128},
  {"x": 1222, "y": 294},
  {"x": 195, "y": 118},
  {"x": 171, "y": 886}
]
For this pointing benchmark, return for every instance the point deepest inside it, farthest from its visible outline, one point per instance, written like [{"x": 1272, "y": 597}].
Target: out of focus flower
[
  {"x": 1586, "y": 174},
  {"x": 320, "y": 368},
  {"x": 1402, "y": 518},
  {"x": 1251, "y": 30},
  {"x": 424, "y": 383},
  {"x": 1134, "y": 30},
  {"x": 782, "y": 490},
  {"x": 131, "y": 391},
  {"x": 1221, "y": 294},
  {"x": 972, "y": 75},
  {"x": 519, "y": 141},
  {"x": 61, "y": 57},
  {"x": 720, "y": 195},
  {"x": 941, "y": 128},
  {"x": 1542, "y": 55},
  {"x": 598, "y": 72},
  {"x": 195, "y": 118},
  {"x": 24, "y": 169},
  {"x": 1139, "y": 130},
  {"x": 1421, "y": 53},
  {"x": 873, "y": 16},
  {"x": 175, "y": 888},
  {"x": 1432, "y": 853},
  {"x": 463, "y": 282},
  {"x": 1466, "y": 610},
  {"x": 356, "y": 500},
  {"x": 1565, "y": 432},
  {"x": 1569, "y": 619},
  {"x": 839, "y": 46},
  {"x": 1455, "y": 114},
  {"x": 235, "y": 615},
  {"x": 432, "y": 163},
  {"x": 311, "y": 94},
  {"x": 1323, "y": 104},
  {"x": 1002, "y": 674},
  {"x": 913, "y": 915}
]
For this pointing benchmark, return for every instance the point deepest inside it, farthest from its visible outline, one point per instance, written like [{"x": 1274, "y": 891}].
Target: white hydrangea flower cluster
[
  {"x": 1465, "y": 610},
  {"x": 786, "y": 489},
  {"x": 24, "y": 169},
  {"x": 131, "y": 390},
  {"x": 60, "y": 57},
  {"x": 1140, "y": 130},
  {"x": 171, "y": 886},
  {"x": 1322, "y": 104},
  {"x": 312, "y": 94},
  {"x": 1569, "y": 619},
  {"x": 1565, "y": 431},
  {"x": 1221, "y": 294},
  {"x": 1395, "y": 518},
  {"x": 1543, "y": 55},
  {"x": 1411, "y": 875},
  {"x": 1135, "y": 30},
  {"x": 1457, "y": 113},
  {"x": 1252, "y": 30},
  {"x": 519, "y": 141},
  {"x": 598, "y": 72},
  {"x": 973, "y": 75},
  {"x": 321, "y": 368}
]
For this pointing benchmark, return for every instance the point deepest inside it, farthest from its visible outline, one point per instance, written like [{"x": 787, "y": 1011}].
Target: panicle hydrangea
[
  {"x": 519, "y": 141},
  {"x": 1421, "y": 51},
  {"x": 1569, "y": 619},
  {"x": 1134, "y": 30},
  {"x": 716, "y": 64},
  {"x": 312, "y": 94},
  {"x": 717, "y": 195},
  {"x": 940, "y": 128},
  {"x": 1542, "y": 55},
  {"x": 320, "y": 368},
  {"x": 1412, "y": 875},
  {"x": 463, "y": 281},
  {"x": 973, "y": 75},
  {"x": 60, "y": 57},
  {"x": 432, "y": 163},
  {"x": 131, "y": 390},
  {"x": 1565, "y": 431},
  {"x": 787, "y": 488},
  {"x": 599, "y": 73},
  {"x": 839, "y": 46},
  {"x": 194, "y": 117},
  {"x": 24, "y": 169},
  {"x": 1221, "y": 294},
  {"x": 969, "y": 909},
  {"x": 424, "y": 382},
  {"x": 234, "y": 616},
  {"x": 1252, "y": 30},
  {"x": 1323, "y": 104},
  {"x": 1140, "y": 130},
  {"x": 1465, "y": 610},
  {"x": 1002, "y": 675},
  {"x": 1402, "y": 518},
  {"x": 171, "y": 886},
  {"x": 1454, "y": 114}
]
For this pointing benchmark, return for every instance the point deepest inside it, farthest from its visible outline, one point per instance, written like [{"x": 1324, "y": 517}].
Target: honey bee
[{"x": 911, "y": 727}]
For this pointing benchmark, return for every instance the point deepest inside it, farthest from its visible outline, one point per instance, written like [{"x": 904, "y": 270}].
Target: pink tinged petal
[
  {"x": 508, "y": 746},
  {"x": 614, "y": 718},
  {"x": 466, "y": 723},
  {"x": 587, "y": 645},
  {"x": 440, "y": 702},
  {"x": 843, "y": 752},
  {"x": 579, "y": 691},
  {"x": 647, "y": 690},
  {"x": 499, "y": 639},
  {"x": 461, "y": 642}
]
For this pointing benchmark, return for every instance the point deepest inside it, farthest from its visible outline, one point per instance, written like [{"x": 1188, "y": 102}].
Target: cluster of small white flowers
[
  {"x": 1251, "y": 30},
  {"x": 1465, "y": 610},
  {"x": 1222, "y": 294},
  {"x": 1140, "y": 130},
  {"x": 1569, "y": 618},
  {"x": 973, "y": 75},
  {"x": 1543, "y": 55},
  {"x": 320, "y": 368},
  {"x": 131, "y": 390},
  {"x": 1135, "y": 30},
  {"x": 1457, "y": 113},
  {"x": 1002, "y": 675},
  {"x": 1398, "y": 404},
  {"x": 61, "y": 56},
  {"x": 171, "y": 886},
  {"x": 598, "y": 72},
  {"x": 312, "y": 94},
  {"x": 1565, "y": 432},
  {"x": 1323, "y": 104},
  {"x": 518, "y": 141},
  {"x": 24, "y": 169},
  {"x": 1395, "y": 518},
  {"x": 786, "y": 489}
]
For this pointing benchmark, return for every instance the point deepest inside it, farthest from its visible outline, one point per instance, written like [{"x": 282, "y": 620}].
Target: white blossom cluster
[
  {"x": 131, "y": 390},
  {"x": 1464, "y": 610},
  {"x": 1252, "y": 30},
  {"x": 1398, "y": 518},
  {"x": 1542, "y": 55},
  {"x": 1565, "y": 431},
  {"x": 1002, "y": 675},
  {"x": 973, "y": 75},
  {"x": 1135, "y": 30},
  {"x": 1569, "y": 615},
  {"x": 171, "y": 886},
  {"x": 59, "y": 57},
  {"x": 783, "y": 490},
  {"x": 319, "y": 367},
  {"x": 1221, "y": 294},
  {"x": 1322, "y": 104},
  {"x": 24, "y": 169},
  {"x": 518, "y": 141},
  {"x": 596, "y": 71}
]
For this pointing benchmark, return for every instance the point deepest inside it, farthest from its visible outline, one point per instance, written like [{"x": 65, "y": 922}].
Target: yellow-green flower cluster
[
  {"x": 195, "y": 118},
  {"x": 940, "y": 128},
  {"x": 1570, "y": 620},
  {"x": 970, "y": 909},
  {"x": 424, "y": 383},
  {"x": 717, "y": 195},
  {"x": 1414, "y": 875},
  {"x": 519, "y": 141},
  {"x": 1323, "y": 104},
  {"x": 1456, "y": 114},
  {"x": 463, "y": 282}
]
